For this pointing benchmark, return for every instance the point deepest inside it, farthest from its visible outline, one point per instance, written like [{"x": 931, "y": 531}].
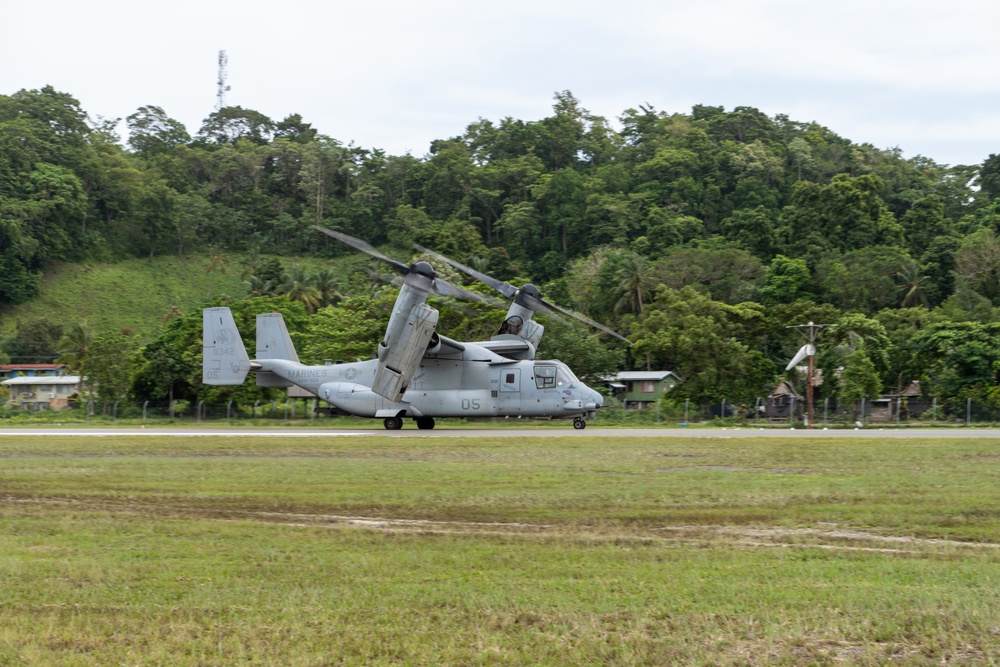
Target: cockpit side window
[
  {"x": 512, "y": 325},
  {"x": 545, "y": 377}
]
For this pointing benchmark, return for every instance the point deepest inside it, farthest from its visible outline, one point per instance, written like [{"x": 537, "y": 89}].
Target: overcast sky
[{"x": 393, "y": 74}]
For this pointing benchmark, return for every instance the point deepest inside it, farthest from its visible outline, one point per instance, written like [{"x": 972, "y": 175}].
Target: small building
[
  {"x": 8, "y": 371},
  {"x": 783, "y": 402},
  {"x": 41, "y": 392},
  {"x": 640, "y": 388}
]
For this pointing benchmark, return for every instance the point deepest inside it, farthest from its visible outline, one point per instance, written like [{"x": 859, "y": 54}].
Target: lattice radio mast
[{"x": 220, "y": 96}]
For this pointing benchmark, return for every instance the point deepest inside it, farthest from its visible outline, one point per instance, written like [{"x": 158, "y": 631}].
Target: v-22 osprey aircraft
[{"x": 416, "y": 373}]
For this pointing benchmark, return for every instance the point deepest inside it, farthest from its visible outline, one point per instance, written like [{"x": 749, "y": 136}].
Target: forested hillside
[{"x": 701, "y": 236}]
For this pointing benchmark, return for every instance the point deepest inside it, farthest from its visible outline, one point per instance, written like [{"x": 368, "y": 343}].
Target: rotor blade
[
  {"x": 506, "y": 289},
  {"x": 442, "y": 287},
  {"x": 364, "y": 247},
  {"x": 586, "y": 320}
]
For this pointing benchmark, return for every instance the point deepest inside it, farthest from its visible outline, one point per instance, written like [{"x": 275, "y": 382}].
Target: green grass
[
  {"x": 135, "y": 293},
  {"x": 377, "y": 550}
]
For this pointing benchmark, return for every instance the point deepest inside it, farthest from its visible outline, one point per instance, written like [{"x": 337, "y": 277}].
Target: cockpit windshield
[{"x": 552, "y": 374}]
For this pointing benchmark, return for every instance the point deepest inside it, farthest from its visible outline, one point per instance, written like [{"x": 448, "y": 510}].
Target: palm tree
[
  {"x": 634, "y": 282},
  {"x": 73, "y": 348},
  {"x": 326, "y": 281},
  {"x": 912, "y": 285},
  {"x": 259, "y": 286},
  {"x": 298, "y": 286},
  {"x": 217, "y": 262}
]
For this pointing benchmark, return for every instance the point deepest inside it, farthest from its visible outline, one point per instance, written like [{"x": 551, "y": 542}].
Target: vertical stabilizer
[
  {"x": 224, "y": 358},
  {"x": 273, "y": 342}
]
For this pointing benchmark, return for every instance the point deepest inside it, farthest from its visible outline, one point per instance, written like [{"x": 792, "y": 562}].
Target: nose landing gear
[{"x": 579, "y": 424}]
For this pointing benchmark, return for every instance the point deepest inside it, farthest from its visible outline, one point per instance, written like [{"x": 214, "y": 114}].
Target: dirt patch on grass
[{"x": 826, "y": 537}]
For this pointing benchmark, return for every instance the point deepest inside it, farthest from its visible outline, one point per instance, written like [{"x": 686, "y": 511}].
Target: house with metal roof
[
  {"x": 640, "y": 388},
  {"x": 8, "y": 371},
  {"x": 40, "y": 392}
]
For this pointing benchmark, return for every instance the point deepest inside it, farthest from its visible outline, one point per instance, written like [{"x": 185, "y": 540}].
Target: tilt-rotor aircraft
[{"x": 416, "y": 373}]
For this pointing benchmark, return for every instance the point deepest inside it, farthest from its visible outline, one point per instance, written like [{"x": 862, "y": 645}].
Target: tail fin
[
  {"x": 273, "y": 342},
  {"x": 224, "y": 358}
]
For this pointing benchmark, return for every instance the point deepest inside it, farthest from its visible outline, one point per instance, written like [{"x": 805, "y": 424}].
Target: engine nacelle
[{"x": 399, "y": 357}]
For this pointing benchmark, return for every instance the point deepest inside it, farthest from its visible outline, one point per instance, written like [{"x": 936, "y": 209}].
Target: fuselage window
[{"x": 545, "y": 377}]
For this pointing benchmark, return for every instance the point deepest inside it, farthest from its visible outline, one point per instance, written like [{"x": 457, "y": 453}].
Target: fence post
[
  {"x": 312, "y": 413},
  {"x": 826, "y": 406},
  {"x": 756, "y": 410},
  {"x": 254, "y": 413},
  {"x": 229, "y": 410},
  {"x": 687, "y": 401},
  {"x": 862, "y": 420},
  {"x": 968, "y": 412},
  {"x": 286, "y": 409},
  {"x": 723, "y": 415},
  {"x": 934, "y": 411},
  {"x": 144, "y": 412},
  {"x": 899, "y": 404},
  {"x": 791, "y": 413},
  {"x": 114, "y": 412}
]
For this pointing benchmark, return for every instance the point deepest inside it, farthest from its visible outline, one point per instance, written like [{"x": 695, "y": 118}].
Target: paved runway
[{"x": 445, "y": 432}]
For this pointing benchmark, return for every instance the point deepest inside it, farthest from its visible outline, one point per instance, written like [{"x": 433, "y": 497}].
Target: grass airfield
[{"x": 513, "y": 550}]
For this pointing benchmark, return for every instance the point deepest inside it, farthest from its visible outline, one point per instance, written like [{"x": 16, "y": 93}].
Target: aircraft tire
[
  {"x": 392, "y": 423},
  {"x": 425, "y": 422},
  {"x": 579, "y": 424}
]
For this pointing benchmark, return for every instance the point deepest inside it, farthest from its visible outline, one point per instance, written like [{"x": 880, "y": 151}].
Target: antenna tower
[{"x": 220, "y": 95}]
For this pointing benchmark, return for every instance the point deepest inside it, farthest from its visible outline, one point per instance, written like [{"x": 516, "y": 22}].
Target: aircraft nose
[{"x": 593, "y": 400}]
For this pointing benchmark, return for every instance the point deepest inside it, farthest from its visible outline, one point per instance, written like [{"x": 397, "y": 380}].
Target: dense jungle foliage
[{"x": 701, "y": 236}]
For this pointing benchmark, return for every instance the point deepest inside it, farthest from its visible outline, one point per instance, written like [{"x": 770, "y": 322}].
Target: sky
[{"x": 916, "y": 75}]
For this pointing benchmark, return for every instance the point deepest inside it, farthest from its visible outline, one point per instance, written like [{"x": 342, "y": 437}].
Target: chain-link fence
[
  {"x": 297, "y": 410},
  {"x": 783, "y": 412}
]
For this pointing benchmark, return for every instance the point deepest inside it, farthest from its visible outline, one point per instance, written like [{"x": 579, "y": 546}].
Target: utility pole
[{"x": 811, "y": 332}]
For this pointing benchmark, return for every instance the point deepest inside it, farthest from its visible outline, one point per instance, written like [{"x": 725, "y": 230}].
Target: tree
[
  {"x": 913, "y": 285},
  {"x": 35, "y": 340},
  {"x": 925, "y": 222},
  {"x": 865, "y": 279},
  {"x": 727, "y": 274},
  {"x": 753, "y": 229},
  {"x": 786, "y": 281},
  {"x": 989, "y": 177},
  {"x": 230, "y": 124},
  {"x": 152, "y": 131},
  {"x": 960, "y": 359},
  {"x": 297, "y": 285},
  {"x": 634, "y": 283},
  {"x": 74, "y": 351},
  {"x": 112, "y": 361},
  {"x": 860, "y": 379},
  {"x": 701, "y": 340},
  {"x": 978, "y": 263},
  {"x": 847, "y": 214}
]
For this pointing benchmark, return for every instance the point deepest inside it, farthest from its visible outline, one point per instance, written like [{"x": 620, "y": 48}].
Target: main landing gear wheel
[
  {"x": 425, "y": 422},
  {"x": 392, "y": 423},
  {"x": 578, "y": 423}
]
